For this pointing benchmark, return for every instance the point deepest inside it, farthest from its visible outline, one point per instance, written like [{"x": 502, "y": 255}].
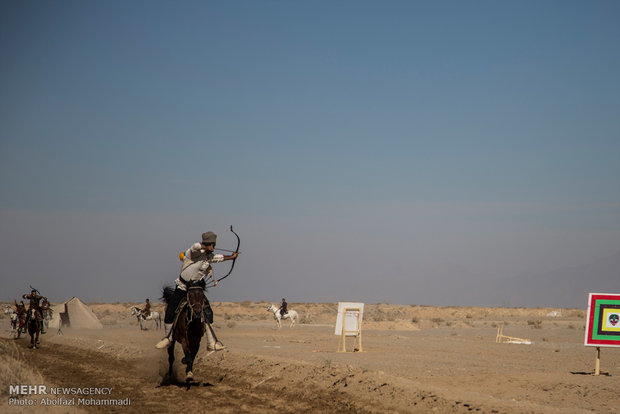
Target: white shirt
[{"x": 197, "y": 265}]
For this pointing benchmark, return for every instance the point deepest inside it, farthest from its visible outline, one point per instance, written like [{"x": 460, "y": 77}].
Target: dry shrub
[
  {"x": 392, "y": 316},
  {"x": 535, "y": 323},
  {"x": 378, "y": 315},
  {"x": 305, "y": 319},
  {"x": 12, "y": 371},
  {"x": 575, "y": 313}
]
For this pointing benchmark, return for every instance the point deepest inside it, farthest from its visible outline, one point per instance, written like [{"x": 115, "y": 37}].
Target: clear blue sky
[{"x": 360, "y": 148}]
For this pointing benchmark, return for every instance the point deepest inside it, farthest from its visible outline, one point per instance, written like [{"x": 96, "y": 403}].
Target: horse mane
[
  {"x": 169, "y": 290},
  {"x": 199, "y": 283},
  {"x": 167, "y": 293}
]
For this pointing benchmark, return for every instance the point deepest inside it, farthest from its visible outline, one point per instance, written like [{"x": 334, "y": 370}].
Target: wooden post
[
  {"x": 342, "y": 345},
  {"x": 597, "y": 365}
]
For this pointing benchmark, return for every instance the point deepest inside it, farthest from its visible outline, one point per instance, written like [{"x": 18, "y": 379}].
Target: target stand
[{"x": 349, "y": 324}]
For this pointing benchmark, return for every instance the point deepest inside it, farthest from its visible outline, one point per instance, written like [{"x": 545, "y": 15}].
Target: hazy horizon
[{"x": 399, "y": 152}]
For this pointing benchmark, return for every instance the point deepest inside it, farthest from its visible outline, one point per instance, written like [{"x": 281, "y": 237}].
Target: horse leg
[
  {"x": 170, "y": 358},
  {"x": 188, "y": 360}
]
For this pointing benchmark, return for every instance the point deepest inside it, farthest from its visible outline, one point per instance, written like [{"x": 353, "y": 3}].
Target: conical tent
[{"x": 74, "y": 314}]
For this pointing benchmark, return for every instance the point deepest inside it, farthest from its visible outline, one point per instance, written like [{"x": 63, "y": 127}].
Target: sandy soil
[{"x": 415, "y": 359}]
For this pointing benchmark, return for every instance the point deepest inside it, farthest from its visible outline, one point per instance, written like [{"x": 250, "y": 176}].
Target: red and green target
[{"x": 603, "y": 320}]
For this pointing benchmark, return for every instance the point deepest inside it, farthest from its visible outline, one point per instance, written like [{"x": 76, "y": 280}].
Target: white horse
[
  {"x": 154, "y": 316},
  {"x": 14, "y": 321},
  {"x": 291, "y": 314},
  {"x": 47, "y": 317}
]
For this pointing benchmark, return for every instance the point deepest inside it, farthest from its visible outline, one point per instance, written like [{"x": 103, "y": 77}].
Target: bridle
[{"x": 195, "y": 312}]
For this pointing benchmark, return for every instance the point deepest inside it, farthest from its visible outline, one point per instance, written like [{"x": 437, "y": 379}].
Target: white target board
[{"x": 352, "y": 318}]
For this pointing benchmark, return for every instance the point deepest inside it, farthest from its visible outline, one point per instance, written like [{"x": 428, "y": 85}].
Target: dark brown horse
[
  {"x": 188, "y": 328},
  {"x": 34, "y": 327}
]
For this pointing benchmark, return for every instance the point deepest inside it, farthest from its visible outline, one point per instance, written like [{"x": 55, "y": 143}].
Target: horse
[
  {"x": 291, "y": 314},
  {"x": 17, "y": 323},
  {"x": 34, "y": 328},
  {"x": 47, "y": 317},
  {"x": 154, "y": 316},
  {"x": 188, "y": 327},
  {"x": 14, "y": 320}
]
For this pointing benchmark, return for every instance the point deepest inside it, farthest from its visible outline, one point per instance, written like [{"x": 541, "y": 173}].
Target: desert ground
[{"x": 414, "y": 359}]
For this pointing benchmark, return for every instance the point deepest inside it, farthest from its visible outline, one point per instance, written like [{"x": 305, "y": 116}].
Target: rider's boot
[
  {"x": 164, "y": 343},
  {"x": 212, "y": 343}
]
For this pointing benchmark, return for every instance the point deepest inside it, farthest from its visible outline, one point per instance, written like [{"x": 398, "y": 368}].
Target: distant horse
[
  {"x": 291, "y": 314},
  {"x": 47, "y": 317},
  {"x": 188, "y": 327},
  {"x": 34, "y": 328},
  {"x": 154, "y": 316},
  {"x": 17, "y": 323},
  {"x": 14, "y": 321}
]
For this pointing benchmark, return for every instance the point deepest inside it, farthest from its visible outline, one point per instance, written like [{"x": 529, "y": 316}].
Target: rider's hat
[{"x": 208, "y": 237}]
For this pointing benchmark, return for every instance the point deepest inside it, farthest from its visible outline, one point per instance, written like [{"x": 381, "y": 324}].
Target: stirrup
[{"x": 164, "y": 343}]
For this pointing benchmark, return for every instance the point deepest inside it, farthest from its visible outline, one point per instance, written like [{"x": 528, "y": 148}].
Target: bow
[{"x": 216, "y": 281}]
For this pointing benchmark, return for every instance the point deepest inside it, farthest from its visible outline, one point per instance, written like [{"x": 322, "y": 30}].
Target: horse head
[{"x": 195, "y": 299}]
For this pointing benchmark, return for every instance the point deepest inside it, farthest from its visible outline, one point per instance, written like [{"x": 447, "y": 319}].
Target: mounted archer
[{"x": 196, "y": 270}]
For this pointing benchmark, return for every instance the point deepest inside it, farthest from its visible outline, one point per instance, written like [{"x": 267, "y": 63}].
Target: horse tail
[{"x": 167, "y": 293}]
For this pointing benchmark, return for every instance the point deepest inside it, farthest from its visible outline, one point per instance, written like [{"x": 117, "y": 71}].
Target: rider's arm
[
  {"x": 231, "y": 257},
  {"x": 217, "y": 258},
  {"x": 195, "y": 251}
]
